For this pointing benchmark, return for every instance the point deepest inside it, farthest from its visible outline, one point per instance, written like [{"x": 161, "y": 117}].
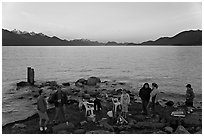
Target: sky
[{"x": 110, "y": 21}]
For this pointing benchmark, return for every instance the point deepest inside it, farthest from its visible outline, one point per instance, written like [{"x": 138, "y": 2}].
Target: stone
[
  {"x": 80, "y": 131},
  {"x": 66, "y": 84},
  {"x": 22, "y": 84},
  {"x": 199, "y": 132},
  {"x": 124, "y": 132},
  {"x": 35, "y": 95},
  {"x": 83, "y": 123},
  {"x": 81, "y": 82},
  {"x": 99, "y": 132},
  {"x": 62, "y": 126},
  {"x": 92, "y": 81},
  {"x": 181, "y": 130},
  {"x": 168, "y": 129},
  {"x": 104, "y": 123},
  {"x": 19, "y": 126},
  {"x": 193, "y": 119}
]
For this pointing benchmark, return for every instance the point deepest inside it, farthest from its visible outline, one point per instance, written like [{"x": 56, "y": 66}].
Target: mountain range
[{"x": 23, "y": 38}]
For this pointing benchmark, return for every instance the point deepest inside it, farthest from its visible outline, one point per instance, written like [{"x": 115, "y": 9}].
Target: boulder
[
  {"x": 92, "y": 81},
  {"x": 193, "y": 119},
  {"x": 168, "y": 129},
  {"x": 66, "y": 84},
  {"x": 80, "y": 131},
  {"x": 98, "y": 132},
  {"x": 181, "y": 130},
  {"x": 81, "y": 82},
  {"x": 62, "y": 126},
  {"x": 22, "y": 84}
]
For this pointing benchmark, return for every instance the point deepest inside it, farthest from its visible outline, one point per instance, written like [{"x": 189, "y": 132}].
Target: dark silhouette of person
[{"x": 144, "y": 94}]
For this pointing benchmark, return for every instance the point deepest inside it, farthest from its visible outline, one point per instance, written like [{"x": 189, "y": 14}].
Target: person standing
[
  {"x": 125, "y": 101},
  {"x": 42, "y": 110},
  {"x": 144, "y": 94},
  {"x": 189, "y": 96},
  {"x": 154, "y": 96},
  {"x": 60, "y": 101}
]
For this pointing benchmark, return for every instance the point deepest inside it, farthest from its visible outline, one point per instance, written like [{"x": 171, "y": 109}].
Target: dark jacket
[
  {"x": 58, "y": 98},
  {"x": 41, "y": 104},
  {"x": 190, "y": 95},
  {"x": 145, "y": 93}
]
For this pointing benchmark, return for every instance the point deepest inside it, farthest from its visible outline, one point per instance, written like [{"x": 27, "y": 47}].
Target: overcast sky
[{"x": 121, "y": 22}]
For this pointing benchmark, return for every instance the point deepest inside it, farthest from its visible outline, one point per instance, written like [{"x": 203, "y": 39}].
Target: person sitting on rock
[
  {"x": 144, "y": 94},
  {"x": 42, "y": 110},
  {"x": 189, "y": 96},
  {"x": 60, "y": 101},
  {"x": 154, "y": 96},
  {"x": 125, "y": 101}
]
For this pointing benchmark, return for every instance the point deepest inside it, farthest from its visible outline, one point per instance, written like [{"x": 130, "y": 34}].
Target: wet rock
[
  {"x": 23, "y": 84},
  {"x": 81, "y": 82},
  {"x": 181, "y": 130},
  {"x": 80, "y": 131},
  {"x": 98, "y": 132},
  {"x": 19, "y": 126},
  {"x": 169, "y": 103},
  {"x": 92, "y": 81},
  {"x": 62, "y": 126},
  {"x": 168, "y": 129}
]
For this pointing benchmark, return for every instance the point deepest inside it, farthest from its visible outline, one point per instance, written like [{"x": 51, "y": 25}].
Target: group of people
[{"x": 59, "y": 99}]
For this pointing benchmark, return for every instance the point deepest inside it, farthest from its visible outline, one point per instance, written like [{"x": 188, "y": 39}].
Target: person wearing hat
[{"x": 189, "y": 96}]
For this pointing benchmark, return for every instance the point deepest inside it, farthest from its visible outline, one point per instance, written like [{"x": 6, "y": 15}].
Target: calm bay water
[{"x": 171, "y": 67}]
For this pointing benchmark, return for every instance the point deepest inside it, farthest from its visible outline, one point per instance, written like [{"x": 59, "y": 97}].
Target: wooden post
[{"x": 30, "y": 75}]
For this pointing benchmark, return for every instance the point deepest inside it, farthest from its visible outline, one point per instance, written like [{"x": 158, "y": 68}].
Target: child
[
  {"x": 42, "y": 110},
  {"x": 125, "y": 101}
]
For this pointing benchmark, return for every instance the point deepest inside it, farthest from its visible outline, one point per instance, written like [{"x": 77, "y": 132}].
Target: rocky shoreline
[{"x": 137, "y": 123}]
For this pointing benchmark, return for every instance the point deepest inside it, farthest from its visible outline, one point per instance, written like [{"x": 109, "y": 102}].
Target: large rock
[
  {"x": 81, "y": 82},
  {"x": 168, "y": 129},
  {"x": 92, "y": 81},
  {"x": 22, "y": 84},
  {"x": 181, "y": 130},
  {"x": 62, "y": 126},
  {"x": 194, "y": 119}
]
